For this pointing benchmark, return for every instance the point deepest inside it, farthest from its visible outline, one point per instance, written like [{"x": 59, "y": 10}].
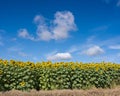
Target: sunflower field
[{"x": 59, "y": 75}]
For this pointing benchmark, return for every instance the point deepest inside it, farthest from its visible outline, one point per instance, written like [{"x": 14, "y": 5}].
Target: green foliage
[{"x": 63, "y": 75}]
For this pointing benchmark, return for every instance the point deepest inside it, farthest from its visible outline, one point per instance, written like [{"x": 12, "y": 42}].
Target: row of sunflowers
[{"x": 59, "y": 75}]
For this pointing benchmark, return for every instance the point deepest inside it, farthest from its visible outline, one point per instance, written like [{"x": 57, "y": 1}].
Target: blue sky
[{"x": 60, "y": 30}]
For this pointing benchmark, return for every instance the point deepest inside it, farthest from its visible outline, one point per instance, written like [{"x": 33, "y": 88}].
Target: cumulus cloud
[
  {"x": 114, "y": 47},
  {"x": 56, "y": 29},
  {"x": 60, "y": 56},
  {"x": 24, "y": 34},
  {"x": 93, "y": 51},
  {"x": 38, "y": 19},
  {"x": 43, "y": 31},
  {"x": 63, "y": 24}
]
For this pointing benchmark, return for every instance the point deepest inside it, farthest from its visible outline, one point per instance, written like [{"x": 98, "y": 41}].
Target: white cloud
[
  {"x": 118, "y": 3},
  {"x": 42, "y": 29},
  {"x": 24, "y": 34},
  {"x": 43, "y": 33},
  {"x": 114, "y": 47},
  {"x": 38, "y": 19},
  {"x": 93, "y": 51},
  {"x": 91, "y": 42},
  {"x": 56, "y": 29},
  {"x": 79, "y": 47},
  {"x": 60, "y": 56},
  {"x": 63, "y": 24}
]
